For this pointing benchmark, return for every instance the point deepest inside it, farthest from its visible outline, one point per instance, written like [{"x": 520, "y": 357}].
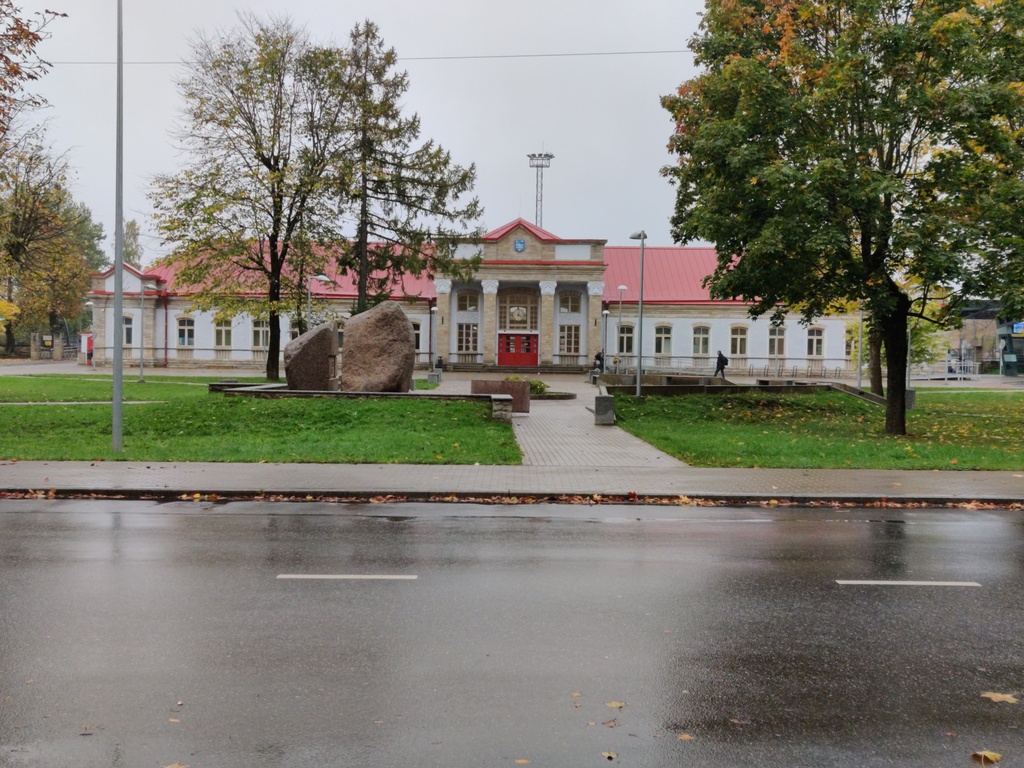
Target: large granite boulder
[
  {"x": 310, "y": 361},
  {"x": 379, "y": 351}
]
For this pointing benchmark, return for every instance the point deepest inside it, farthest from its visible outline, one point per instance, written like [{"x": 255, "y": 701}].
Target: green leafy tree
[
  {"x": 266, "y": 134},
  {"x": 36, "y": 224},
  {"x": 131, "y": 248},
  {"x": 89, "y": 236},
  {"x": 406, "y": 197},
  {"x": 837, "y": 151}
]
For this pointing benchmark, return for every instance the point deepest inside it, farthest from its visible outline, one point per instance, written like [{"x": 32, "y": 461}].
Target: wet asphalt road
[{"x": 145, "y": 634}]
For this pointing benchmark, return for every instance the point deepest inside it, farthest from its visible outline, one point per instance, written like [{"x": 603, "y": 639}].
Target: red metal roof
[
  {"x": 672, "y": 275},
  {"x": 541, "y": 234}
]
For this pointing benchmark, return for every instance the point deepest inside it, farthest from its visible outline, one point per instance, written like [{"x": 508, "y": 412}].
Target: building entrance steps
[{"x": 562, "y": 433}]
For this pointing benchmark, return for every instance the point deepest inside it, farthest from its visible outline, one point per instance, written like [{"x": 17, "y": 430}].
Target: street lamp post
[
  {"x": 309, "y": 296},
  {"x": 433, "y": 330},
  {"x": 142, "y": 331},
  {"x": 618, "y": 329},
  {"x": 604, "y": 336},
  {"x": 642, "y": 237}
]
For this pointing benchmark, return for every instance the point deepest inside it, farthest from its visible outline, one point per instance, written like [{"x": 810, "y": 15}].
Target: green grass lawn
[
  {"x": 185, "y": 423},
  {"x": 949, "y": 429}
]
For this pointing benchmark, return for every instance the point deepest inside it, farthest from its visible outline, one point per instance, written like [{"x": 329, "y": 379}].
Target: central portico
[{"x": 535, "y": 301}]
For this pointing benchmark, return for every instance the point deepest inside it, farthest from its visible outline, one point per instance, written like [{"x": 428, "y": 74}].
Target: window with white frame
[
  {"x": 186, "y": 332},
  {"x": 569, "y": 302},
  {"x": 260, "y": 334},
  {"x": 776, "y": 341},
  {"x": 815, "y": 342},
  {"x": 468, "y": 301},
  {"x": 663, "y": 340},
  {"x": 222, "y": 334},
  {"x": 127, "y": 336},
  {"x": 467, "y": 336},
  {"x": 738, "y": 341},
  {"x": 626, "y": 340},
  {"x": 416, "y": 336},
  {"x": 701, "y": 341},
  {"x": 568, "y": 340}
]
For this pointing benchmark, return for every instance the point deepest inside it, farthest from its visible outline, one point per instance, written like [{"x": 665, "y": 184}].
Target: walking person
[{"x": 720, "y": 364}]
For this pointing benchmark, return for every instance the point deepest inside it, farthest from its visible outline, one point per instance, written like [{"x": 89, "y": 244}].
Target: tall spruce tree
[
  {"x": 406, "y": 198},
  {"x": 838, "y": 151}
]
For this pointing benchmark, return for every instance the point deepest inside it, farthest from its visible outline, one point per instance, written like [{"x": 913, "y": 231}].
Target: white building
[{"x": 537, "y": 301}]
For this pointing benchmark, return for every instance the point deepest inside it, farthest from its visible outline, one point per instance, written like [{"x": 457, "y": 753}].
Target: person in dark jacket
[{"x": 720, "y": 364}]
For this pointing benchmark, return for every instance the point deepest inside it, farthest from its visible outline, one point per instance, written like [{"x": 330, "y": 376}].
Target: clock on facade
[{"x": 517, "y": 314}]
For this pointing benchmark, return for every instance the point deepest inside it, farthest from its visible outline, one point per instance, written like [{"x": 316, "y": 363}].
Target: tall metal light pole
[
  {"x": 433, "y": 344},
  {"x": 142, "y": 331},
  {"x": 604, "y": 336},
  {"x": 116, "y": 431},
  {"x": 618, "y": 329},
  {"x": 540, "y": 161},
  {"x": 309, "y": 296},
  {"x": 642, "y": 237}
]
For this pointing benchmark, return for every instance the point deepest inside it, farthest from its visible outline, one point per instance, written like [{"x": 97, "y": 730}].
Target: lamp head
[
  {"x": 641, "y": 235},
  {"x": 623, "y": 287}
]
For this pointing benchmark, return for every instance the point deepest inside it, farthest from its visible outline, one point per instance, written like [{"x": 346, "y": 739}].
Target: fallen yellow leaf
[
  {"x": 986, "y": 757},
  {"x": 609, "y": 755},
  {"x": 685, "y": 737},
  {"x": 615, "y": 704},
  {"x": 1005, "y": 698},
  {"x": 175, "y": 765},
  {"x": 576, "y": 694},
  {"x": 172, "y": 720},
  {"x": 522, "y": 762}
]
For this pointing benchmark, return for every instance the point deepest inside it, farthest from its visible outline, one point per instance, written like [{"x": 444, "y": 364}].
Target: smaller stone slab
[
  {"x": 519, "y": 390},
  {"x": 604, "y": 410},
  {"x": 310, "y": 361}
]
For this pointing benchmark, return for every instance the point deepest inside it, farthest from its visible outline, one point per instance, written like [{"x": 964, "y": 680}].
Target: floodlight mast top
[{"x": 540, "y": 161}]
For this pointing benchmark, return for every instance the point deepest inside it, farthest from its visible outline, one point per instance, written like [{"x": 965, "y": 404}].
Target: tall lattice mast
[{"x": 540, "y": 161}]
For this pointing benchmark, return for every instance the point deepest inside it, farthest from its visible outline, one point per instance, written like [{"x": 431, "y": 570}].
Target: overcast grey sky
[{"x": 599, "y": 115}]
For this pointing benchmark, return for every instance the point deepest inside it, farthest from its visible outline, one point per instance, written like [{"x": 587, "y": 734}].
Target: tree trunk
[
  {"x": 274, "y": 344},
  {"x": 875, "y": 361},
  {"x": 9, "y": 340},
  {"x": 894, "y": 330}
]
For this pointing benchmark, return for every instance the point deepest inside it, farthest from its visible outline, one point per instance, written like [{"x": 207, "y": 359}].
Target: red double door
[{"x": 517, "y": 349}]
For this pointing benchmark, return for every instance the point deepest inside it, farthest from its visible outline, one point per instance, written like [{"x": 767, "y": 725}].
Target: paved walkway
[
  {"x": 564, "y": 455},
  {"x": 562, "y": 433}
]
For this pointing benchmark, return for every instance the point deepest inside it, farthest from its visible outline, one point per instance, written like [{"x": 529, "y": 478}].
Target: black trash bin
[{"x": 439, "y": 365}]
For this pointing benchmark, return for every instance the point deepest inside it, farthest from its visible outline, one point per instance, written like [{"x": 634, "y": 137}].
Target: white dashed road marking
[
  {"x": 350, "y": 576},
  {"x": 907, "y": 583}
]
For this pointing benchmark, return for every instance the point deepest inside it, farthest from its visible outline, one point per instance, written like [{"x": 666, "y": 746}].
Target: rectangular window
[
  {"x": 222, "y": 334},
  {"x": 815, "y": 342},
  {"x": 776, "y": 342},
  {"x": 468, "y": 302},
  {"x": 467, "y": 337},
  {"x": 186, "y": 332},
  {"x": 568, "y": 340},
  {"x": 626, "y": 340},
  {"x": 260, "y": 334},
  {"x": 416, "y": 336},
  {"x": 738, "y": 342},
  {"x": 569, "y": 303},
  {"x": 128, "y": 336},
  {"x": 663, "y": 340},
  {"x": 701, "y": 341}
]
